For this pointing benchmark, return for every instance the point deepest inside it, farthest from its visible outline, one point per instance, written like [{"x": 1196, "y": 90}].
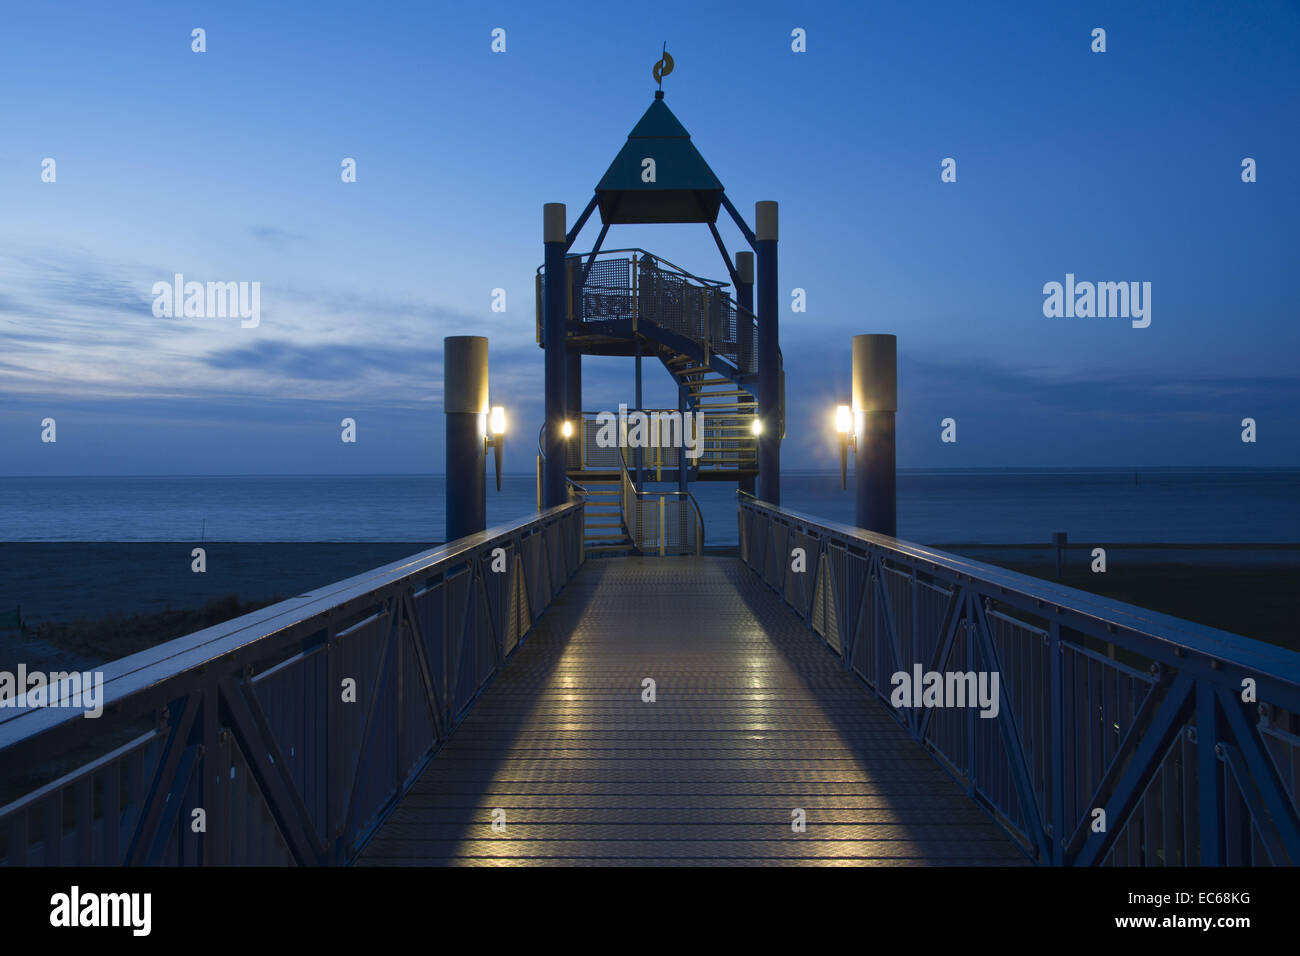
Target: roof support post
[
  {"x": 769, "y": 363},
  {"x": 744, "y": 332},
  {"x": 554, "y": 311}
]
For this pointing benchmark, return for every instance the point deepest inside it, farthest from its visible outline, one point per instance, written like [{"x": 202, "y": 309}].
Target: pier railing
[
  {"x": 661, "y": 522},
  {"x": 283, "y": 736},
  {"x": 638, "y": 286},
  {"x": 726, "y": 441},
  {"x": 1121, "y": 737}
]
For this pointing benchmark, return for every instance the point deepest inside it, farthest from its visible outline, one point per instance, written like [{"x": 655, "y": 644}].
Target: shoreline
[{"x": 86, "y": 593}]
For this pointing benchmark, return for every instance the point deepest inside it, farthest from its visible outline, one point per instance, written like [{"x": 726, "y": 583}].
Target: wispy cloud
[
  {"x": 74, "y": 324},
  {"x": 275, "y": 236}
]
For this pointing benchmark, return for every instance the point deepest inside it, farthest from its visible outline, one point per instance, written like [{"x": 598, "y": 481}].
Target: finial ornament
[{"x": 663, "y": 67}]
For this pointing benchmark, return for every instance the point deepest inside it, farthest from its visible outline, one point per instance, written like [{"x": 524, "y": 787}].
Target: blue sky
[{"x": 224, "y": 166}]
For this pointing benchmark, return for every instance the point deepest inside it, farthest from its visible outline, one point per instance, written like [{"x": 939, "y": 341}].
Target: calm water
[{"x": 1173, "y": 506}]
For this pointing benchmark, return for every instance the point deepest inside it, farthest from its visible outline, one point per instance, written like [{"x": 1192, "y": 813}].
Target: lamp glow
[
  {"x": 567, "y": 429},
  {"x": 756, "y": 426},
  {"x": 843, "y": 419},
  {"x": 498, "y": 420}
]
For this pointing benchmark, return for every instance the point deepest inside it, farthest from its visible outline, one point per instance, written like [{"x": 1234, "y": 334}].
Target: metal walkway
[{"x": 753, "y": 718}]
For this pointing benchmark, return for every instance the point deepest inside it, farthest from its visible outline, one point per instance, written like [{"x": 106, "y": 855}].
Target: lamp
[
  {"x": 844, "y": 427},
  {"x": 496, "y": 437}
]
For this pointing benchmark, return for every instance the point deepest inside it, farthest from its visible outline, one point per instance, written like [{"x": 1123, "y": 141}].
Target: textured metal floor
[{"x": 753, "y": 718}]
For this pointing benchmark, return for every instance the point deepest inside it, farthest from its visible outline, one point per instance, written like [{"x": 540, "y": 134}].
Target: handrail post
[
  {"x": 635, "y": 303},
  {"x": 1209, "y": 776},
  {"x": 661, "y": 526},
  {"x": 1056, "y": 743}
]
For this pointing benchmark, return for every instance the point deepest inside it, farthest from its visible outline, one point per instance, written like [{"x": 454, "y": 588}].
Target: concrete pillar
[
  {"x": 875, "y": 401},
  {"x": 465, "y": 400},
  {"x": 554, "y": 315},
  {"x": 769, "y": 365},
  {"x": 745, "y": 346}
]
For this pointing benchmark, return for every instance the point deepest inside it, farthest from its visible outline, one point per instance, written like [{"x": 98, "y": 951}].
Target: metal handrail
[
  {"x": 642, "y": 494},
  {"x": 714, "y": 286},
  {"x": 542, "y": 454},
  {"x": 202, "y": 718},
  {"x": 655, "y": 256},
  {"x": 1105, "y": 706}
]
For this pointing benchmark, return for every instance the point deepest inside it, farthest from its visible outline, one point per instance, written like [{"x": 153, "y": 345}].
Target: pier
[{"x": 588, "y": 685}]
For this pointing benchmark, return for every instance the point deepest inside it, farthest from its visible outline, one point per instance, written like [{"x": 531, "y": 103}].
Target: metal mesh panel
[
  {"x": 594, "y": 456},
  {"x": 704, "y": 313},
  {"x": 607, "y": 293}
]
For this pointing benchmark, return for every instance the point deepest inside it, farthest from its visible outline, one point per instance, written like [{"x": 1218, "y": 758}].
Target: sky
[{"x": 225, "y": 166}]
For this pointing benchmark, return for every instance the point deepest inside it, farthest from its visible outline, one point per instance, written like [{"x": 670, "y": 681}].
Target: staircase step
[
  {"x": 603, "y": 524},
  {"x": 702, "y": 382},
  {"x": 604, "y": 537}
]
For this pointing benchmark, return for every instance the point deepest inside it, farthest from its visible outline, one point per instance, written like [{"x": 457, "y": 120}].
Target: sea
[
  {"x": 94, "y": 548},
  {"x": 1171, "y": 506}
]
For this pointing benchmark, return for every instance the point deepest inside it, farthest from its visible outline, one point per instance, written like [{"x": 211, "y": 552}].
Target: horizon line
[{"x": 1002, "y": 469}]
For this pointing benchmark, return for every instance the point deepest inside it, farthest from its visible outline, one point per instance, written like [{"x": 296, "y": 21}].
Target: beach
[{"x": 101, "y": 600}]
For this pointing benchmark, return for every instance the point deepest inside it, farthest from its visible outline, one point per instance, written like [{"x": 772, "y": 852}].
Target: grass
[
  {"x": 1258, "y": 602},
  {"x": 116, "y": 636}
]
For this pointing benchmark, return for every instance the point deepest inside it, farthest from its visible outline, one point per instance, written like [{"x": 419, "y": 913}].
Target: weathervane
[{"x": 663, "y": 68}]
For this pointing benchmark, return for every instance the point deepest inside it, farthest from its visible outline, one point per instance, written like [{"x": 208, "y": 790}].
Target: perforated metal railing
[
  {"x": 725, "y": 443},
  {"x": 661, "y": 522},
  {"x": 1122, "y": 736},
  {"x": 635, "y": 285},
  {"x": 292, "y": 729}
]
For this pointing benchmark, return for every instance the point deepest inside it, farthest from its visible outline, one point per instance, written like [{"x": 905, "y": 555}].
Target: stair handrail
[
  {"x": 717, "y": 283},
  {"x": 630, "y": 486},
  {"x": 541, "y": 453}
]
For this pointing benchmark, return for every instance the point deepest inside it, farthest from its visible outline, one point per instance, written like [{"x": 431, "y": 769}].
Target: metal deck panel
[{"x": 753, "y": 718}]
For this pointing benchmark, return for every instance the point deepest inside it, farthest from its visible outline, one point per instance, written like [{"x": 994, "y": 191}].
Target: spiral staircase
[{"x": 625, "y": 302}]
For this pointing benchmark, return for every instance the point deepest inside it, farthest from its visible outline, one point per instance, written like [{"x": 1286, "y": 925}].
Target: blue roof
[{"x": 685, "y": 188}]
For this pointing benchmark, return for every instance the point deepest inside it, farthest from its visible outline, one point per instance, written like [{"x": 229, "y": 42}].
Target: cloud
[
  {"x": 275, "y": 236},
  {"x": 324, "y": 361}
]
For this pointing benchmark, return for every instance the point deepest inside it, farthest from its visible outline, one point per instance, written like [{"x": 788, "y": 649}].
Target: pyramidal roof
[{"x": 684, "y": 188}]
